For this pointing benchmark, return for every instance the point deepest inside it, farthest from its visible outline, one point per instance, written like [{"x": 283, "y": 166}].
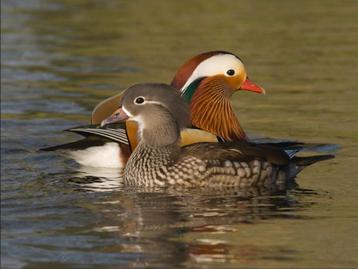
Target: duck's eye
[
  {"x": 230, "y": 72},
  {"x": 139, "y": 100}
]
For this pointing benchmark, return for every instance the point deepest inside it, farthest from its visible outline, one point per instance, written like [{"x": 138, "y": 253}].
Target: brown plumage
[{"x": 211, "y": 110}]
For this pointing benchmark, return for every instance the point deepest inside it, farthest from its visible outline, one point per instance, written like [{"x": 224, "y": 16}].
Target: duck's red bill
[
  {"x": 118, "y": 116},
  {"x": 248, "y": 85}
]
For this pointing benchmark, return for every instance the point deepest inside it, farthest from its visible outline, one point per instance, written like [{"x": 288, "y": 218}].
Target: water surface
[{"x": 60, "y": 58}]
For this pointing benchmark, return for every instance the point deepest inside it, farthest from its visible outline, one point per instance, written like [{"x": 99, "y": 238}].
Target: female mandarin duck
[
  {"x": 158, "y": 160},
  {"x": 206, "y": 81}
]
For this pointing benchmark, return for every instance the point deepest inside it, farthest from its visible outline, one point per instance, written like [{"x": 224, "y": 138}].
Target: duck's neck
[
  {"x": 159, "y": 136},
  {"x": 158, "y": 147},
  {"x": 211, "y": 110}
]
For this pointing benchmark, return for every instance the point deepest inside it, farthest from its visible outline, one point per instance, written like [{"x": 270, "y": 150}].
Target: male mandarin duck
[
  {"x": 159, "y": 160},
  {"x": 205, "y": 81}
]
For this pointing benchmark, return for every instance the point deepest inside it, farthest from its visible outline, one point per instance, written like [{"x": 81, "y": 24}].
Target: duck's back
[{"x": 236, "y": 164}]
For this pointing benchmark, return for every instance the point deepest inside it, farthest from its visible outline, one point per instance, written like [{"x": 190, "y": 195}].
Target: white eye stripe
[
  {"x": 215, "y": 65},
  {"x": 156, "y": 103},
  {"x": 127, "y": 112},
  {"x": 146, "y": 101}
]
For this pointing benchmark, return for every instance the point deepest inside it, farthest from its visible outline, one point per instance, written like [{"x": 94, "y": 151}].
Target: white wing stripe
[{"x": 118, "y": 135}]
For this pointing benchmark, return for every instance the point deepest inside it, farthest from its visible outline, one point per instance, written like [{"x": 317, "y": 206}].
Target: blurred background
[{"x": 59, "y": 58}]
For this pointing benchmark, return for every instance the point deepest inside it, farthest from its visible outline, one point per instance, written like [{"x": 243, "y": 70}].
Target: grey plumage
[{"x": 158, "y": 159}]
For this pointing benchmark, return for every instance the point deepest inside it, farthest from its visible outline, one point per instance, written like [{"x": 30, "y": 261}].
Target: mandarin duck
[
  {"x": 206, "y": 82},
  {"x": 159, "y": 160}
]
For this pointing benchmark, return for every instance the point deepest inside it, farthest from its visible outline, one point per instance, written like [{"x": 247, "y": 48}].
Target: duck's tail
[
  {"x": 306, "y": 161},
  {"x": 294, "y": 147},
  {"x": 299, "y": 163}
]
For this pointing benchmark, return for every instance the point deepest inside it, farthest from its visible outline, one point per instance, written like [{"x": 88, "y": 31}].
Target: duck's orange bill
[
  {"x": 117, "y": 116},
  {"x": 248, "y": 85}
]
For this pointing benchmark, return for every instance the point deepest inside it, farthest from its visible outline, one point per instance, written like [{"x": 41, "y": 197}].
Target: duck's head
[
  {"x": 157, "y": 108},
  {"x": 220, "y": 67},
  {"x": 214, "y": 70},
  {"x": 207, "y": 82}
]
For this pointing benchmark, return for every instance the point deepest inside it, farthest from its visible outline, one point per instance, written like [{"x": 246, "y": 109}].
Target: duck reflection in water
[{"x": 191, "y": 226}]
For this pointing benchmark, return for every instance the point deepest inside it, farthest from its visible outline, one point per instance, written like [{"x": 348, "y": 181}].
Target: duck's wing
[
  {"x": 115, "y": 132},
  {"x": 293, "y": 147},
  {"x": 236, "y": 151},
  {"x": 217, "y": 154},
  {"x": 94, "y": 136},
  {"x": 243, "y": 151},
  {"x": 85, "y": 143}
]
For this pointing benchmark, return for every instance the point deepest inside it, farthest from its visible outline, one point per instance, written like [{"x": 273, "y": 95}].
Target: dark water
[{"x": 59, "y": 58}]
